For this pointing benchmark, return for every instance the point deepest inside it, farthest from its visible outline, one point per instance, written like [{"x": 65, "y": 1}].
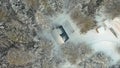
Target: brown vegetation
[
  {"x": 3, "y": 15},
  {"x": 18, "y": 57},
  {"x": 83, "y": 22},
  {"x": 33, "y": 3},
  {"x": 17, "y": 32}
]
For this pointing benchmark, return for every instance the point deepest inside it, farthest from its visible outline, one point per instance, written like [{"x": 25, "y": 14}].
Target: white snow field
[{"x": 105, "y": 40}]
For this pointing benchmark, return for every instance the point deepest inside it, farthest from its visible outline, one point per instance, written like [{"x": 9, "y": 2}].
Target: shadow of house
[{"x": 62, "y": 33}]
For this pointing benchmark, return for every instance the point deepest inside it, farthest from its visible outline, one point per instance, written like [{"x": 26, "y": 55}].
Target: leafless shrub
[
  {"x": 17, "y": 32},
  {"x": 101, "y": 57},
  {"x": 18, "y": 57},
  {"x": 91, "y": 64},
  {"x": 99, "y": 60},
  {"x": 46, "y": 46},
  {"x": 18, "y": 36},
  {"x": 43, "y": 54},
  {"x": 70, "y": 51},
  {"x": 76, "y": 52},
  {"x": 14, "y": 24},
  {"x": 85, "y": 51},
  {"x": 5, "y": 42}
]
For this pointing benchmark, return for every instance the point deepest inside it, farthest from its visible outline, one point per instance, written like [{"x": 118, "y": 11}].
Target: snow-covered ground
[{"x": 105, "y": 40}]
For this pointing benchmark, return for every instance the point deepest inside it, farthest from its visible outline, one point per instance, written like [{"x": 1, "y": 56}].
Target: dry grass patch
[
  {"x": 19, "y": 57},
  {"x": 17, "y": 32},
  {"x": 3, "y": 15},
  {"x": 33, "y": 3},
  {"x": 83, "y": 22},
  {"x": 41, "y": 20}
]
